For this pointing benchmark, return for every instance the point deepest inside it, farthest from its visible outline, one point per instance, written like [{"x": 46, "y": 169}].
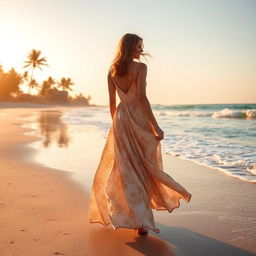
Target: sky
[{"x": 203, "y": 51}]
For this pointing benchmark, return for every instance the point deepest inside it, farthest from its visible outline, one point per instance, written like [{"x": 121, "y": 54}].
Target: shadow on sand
[
  {"x": 171, "y": 241},
  {"x": 124, "y": 242},
  {"x": 191, "y": 243}
]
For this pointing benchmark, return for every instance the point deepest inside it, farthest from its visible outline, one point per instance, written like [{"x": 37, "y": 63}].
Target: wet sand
[{"x": 44, "y": 211}]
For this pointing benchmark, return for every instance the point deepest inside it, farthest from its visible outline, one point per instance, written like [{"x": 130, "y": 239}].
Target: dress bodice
[
  {"x": 126, "y": 96},
  {"x": 131, "y": 93}
]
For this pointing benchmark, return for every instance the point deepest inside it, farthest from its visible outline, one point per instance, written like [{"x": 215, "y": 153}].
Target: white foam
[
  {"x": 252, "y": 169},
  {"x": 224, "y": 113},
  {"x": 229, "y": 113},
  {"x": 183, "y": 113}
]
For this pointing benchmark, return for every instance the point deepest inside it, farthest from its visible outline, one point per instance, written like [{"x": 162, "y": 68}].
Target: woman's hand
[{"x": 159, "y": 132}]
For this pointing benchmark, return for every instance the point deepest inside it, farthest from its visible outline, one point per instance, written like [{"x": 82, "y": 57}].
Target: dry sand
[{"x": 44, "y": 212}]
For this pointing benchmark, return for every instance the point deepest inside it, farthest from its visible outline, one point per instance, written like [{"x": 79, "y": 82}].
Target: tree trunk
[{"x": 31, "y": 77}]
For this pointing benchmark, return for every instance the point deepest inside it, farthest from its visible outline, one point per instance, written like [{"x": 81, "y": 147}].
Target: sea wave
[
  {"x": 183, "y": 113},
  {"x": 229, "y": 113},
  {"x": 229, "y": 164},
  {"x": 224, "y": 113},
  {"x": 252, "y": 169}
]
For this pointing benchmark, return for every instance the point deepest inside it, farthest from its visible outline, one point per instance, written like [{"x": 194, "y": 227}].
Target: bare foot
[{"x": 142, "y": 231}]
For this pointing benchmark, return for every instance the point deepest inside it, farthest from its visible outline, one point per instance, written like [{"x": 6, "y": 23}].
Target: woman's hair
[{"x": 124, "y": 55}]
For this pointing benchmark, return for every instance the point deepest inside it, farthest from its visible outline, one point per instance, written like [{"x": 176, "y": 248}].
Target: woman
[{"x": 129, "y": 181}]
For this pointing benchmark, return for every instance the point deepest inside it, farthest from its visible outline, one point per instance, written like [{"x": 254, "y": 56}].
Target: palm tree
[
  {"x": 25, "y": 75},
  {"x": 34, "y": 61},
  {"x": 33, "y": 84},
  {"x": 65, "y": 83},
  {"x": 47, "y": 86},
  {"x": 51, "y": 81}
]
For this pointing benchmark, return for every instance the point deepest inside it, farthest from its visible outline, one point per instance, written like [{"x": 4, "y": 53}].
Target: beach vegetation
[
  {"x": 65, "y": 84},
  {"x": 9, "y": 83},
  {"x": 23, "y": 87},
  {"x": 34, "y": 60}
]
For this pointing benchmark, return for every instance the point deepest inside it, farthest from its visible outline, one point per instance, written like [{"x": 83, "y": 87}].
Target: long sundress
[{"x": 130, "y": 181}]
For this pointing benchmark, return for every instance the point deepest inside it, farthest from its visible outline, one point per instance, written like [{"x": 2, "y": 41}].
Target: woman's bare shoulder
[
  {"x": 110, "y": 72},
  {"x": 141, "y": 67}
]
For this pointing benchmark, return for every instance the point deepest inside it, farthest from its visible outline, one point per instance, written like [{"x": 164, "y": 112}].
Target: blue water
[{"x": 221, "y": 136}]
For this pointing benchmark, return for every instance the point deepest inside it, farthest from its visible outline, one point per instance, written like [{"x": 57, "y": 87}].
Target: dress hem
[
  {"x": 156, "y": 230},
  {"x": 170, "y": 211}
]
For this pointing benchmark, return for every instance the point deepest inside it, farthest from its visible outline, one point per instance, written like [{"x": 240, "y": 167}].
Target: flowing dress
[{"x": 130, "y": 181}]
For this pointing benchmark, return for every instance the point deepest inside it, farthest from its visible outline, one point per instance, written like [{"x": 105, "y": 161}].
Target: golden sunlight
[{"x": 11, "y": 54}]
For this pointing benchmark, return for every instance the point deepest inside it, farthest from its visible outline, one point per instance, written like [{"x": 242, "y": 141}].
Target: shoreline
[
  {"x": 219, "y": 169},
  {"x": 13, "y": 104},
  {"x": 212, "y": 168},
  {"x": 26, "y": 185}
]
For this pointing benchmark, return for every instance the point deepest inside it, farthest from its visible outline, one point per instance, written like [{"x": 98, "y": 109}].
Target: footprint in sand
[
  {"x": 51, "y": 219},
  {"x": 58, "y": 253}
]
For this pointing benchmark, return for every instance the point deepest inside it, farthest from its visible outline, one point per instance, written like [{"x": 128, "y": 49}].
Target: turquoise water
[{"x": 221, "y": 136}]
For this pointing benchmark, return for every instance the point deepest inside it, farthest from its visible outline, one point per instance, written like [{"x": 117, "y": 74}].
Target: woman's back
[{"x": 124, "y": 83}]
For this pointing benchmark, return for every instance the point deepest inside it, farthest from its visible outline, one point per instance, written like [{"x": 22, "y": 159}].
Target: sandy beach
[{"x": 44, "y": 211}]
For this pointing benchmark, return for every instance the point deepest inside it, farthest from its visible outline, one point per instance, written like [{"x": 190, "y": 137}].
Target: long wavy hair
[{"x": 124, "y": 55}]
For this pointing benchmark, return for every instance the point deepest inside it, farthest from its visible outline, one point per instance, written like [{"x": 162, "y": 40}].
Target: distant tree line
[{"x": 49, "y": 91}]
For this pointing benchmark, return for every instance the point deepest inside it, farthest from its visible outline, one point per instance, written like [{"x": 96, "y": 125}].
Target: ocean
[{"x": 220, "y": 136}]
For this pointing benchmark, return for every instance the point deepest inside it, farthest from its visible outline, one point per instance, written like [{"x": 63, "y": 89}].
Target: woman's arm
[
  {"x": 141, "y": 93},
  {"x": 112, "y": 95}
]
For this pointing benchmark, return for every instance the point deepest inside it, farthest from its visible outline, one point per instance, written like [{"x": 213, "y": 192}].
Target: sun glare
[
  {"x": 8, "y": 56},
  {"x": 12, "y": 53}
]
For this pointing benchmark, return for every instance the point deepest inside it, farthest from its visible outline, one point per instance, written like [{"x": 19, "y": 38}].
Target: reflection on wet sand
[
  {"x": 53, "y": 129},
  {"x": 64, "y": 146}
]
